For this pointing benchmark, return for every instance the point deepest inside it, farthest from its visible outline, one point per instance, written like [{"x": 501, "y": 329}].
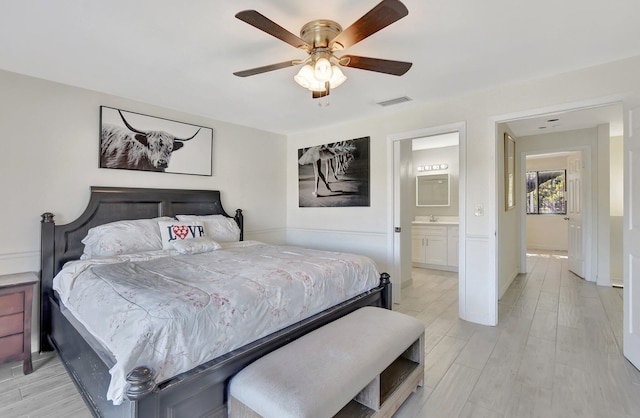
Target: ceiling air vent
[{"x": 395, "y": 101}]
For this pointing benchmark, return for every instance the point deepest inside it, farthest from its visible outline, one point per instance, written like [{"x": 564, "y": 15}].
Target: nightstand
[{"x": 16, "y": 294}]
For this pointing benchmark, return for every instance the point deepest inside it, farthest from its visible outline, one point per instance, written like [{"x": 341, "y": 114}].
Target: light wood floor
[{"x": 555, "y": 353}]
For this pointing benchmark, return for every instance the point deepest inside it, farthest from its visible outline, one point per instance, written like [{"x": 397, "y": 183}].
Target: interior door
[
  {"x": 574, "y": 213},
  {"x": 631, "y": 250}
]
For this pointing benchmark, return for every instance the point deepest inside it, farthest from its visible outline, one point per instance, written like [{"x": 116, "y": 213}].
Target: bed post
[
  {"x": 47, "y": 251},
  {"x": 385, "y": 282},
  {"x": 240, "y": 221},
  {"x": 140, "y": 383}
]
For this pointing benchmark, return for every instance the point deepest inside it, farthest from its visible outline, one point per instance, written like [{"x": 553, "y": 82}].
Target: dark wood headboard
[{"x": 62, "y": 243}]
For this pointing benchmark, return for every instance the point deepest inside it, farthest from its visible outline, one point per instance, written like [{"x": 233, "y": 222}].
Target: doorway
[
  {"x": 589, "y": 132},
  {"x": 403, "y": 183},
  {"x": 554, "y": 205}
]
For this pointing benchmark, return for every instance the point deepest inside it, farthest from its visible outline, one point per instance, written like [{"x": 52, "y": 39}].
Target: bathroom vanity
[{"x": 435, "y": 243}]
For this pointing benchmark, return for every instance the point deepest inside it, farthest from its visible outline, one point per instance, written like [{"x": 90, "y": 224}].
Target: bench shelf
[{"x": 384, "y": 395}]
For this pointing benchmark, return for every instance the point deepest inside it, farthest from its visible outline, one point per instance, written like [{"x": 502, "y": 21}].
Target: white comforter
[{"x": 173, "y": 312}]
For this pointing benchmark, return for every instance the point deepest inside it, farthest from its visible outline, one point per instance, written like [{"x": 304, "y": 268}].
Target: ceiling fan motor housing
[{"x": 320, "y": 33}]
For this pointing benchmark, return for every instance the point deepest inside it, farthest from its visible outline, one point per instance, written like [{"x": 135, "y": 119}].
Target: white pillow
[
  {"x": 195, "y": 245},
  {"x": 122, "y": 237},
  {"x": 171, "y": 231},
  {"x": 218, "y": 227}
]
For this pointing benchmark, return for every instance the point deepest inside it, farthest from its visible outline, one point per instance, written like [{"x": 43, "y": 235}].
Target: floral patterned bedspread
[{"x": 173, "y": 312}]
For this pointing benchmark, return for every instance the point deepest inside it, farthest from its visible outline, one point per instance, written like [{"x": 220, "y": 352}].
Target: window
[{"x": 546, "y": 192}]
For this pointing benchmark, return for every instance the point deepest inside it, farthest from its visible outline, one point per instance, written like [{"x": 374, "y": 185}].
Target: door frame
[
  {"x": 587, "y": 183},
  {"x": 393, "y": 205}
]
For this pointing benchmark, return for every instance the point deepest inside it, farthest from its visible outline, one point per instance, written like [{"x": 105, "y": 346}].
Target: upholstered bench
[{"x": 364, "y": 364}]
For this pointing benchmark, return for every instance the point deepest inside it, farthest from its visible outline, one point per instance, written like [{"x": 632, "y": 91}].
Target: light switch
[{"x": 479, "y": 209}]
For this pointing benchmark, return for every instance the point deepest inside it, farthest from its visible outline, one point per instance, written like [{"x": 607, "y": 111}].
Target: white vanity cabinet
[{"x": 435, "y": 246}]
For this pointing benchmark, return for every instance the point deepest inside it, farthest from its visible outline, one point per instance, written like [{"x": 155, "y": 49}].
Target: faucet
[{"x": 432, "y": 218}]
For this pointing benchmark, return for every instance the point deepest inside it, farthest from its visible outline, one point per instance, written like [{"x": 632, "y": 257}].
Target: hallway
[{"x": 557, "y": 351}]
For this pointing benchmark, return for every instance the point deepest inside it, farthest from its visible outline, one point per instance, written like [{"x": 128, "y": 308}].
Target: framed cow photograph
[{"x": 133, "y": 141}]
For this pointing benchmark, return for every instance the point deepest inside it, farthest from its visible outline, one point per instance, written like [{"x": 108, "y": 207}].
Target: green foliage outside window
[{"x": 546, "y": 192}]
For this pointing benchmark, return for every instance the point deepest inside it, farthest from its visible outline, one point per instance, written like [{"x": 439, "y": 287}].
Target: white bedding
[{"x": 173, "y": 312}]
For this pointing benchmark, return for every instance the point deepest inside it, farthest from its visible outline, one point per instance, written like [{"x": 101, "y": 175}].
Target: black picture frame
[
  {"x": 134, "y": 141},
  {"x": 335, "y": 174}
]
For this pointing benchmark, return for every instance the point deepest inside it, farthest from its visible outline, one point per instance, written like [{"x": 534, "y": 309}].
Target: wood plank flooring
[{"x": 555, "y": 353}]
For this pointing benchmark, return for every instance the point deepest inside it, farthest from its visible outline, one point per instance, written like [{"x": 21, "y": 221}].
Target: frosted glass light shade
[
  {"x": 337, "y": 77},
  {"x": 305, "y": 76},
  {"x": 322, "y": 70}
]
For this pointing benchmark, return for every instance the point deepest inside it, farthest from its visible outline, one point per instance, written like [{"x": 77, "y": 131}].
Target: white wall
[
  {"x": 49, "y": 158},
  {"x": 547, "y": 232},
  {"x": 366, "y": 229}
]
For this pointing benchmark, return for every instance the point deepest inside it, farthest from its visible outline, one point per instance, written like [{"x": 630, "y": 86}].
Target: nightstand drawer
[
  {"x": 11, "y": 303},
  {"x": 16, "y": 297},
  {"x": 11, "y": 324},
  {"x": 13, "y": 344}
]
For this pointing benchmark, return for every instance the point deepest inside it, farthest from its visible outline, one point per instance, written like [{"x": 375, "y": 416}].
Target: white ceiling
[
  {"x": 182, "y": 55},
  {"x": 567, "y": 121}
]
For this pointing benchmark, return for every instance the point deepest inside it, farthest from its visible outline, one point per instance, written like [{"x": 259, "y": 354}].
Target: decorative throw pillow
[
  {"x": 172, "y": 231},
  {"x": 219, "y": 227},
  {"x": 195, "y": 245},
  {"x": 123, "y": 237}
]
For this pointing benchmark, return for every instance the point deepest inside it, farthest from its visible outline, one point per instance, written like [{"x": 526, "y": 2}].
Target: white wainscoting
[
  {"x": 276, "y": 236},
  {"x": 371, "y": 244},
  {"x": 20, "y": 262},
  {"x": 480, "y": 292}
]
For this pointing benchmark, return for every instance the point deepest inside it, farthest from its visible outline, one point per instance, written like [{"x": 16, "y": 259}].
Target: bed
[{"x": 197, "y": 392}]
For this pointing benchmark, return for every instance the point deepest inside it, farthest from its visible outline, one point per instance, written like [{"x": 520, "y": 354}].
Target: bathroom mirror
[{"x": 432, "y": 190}]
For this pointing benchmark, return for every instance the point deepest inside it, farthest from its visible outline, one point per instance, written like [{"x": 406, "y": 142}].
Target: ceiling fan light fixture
[
  {"x": 321, "y": 38},
  {"x": 317, "y": 86},
  {"x": 322, "y": 70},
  {"x": 337, "y": 77},
  {"x": 305, "y": 76}
]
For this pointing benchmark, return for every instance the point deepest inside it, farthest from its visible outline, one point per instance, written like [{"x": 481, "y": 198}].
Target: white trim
[
  {"x": 19, "y": 262},
  {"x": 19, "y": 255},
  {"x": 338, "y": 232}
]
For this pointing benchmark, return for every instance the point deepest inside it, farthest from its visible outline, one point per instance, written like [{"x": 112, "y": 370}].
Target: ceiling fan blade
[
  {"x": 375, "y": 64},
  {"x": 266, "y": 68},
  {"x": 381, "y": 16},
  {"x": 263, "y": 23}
]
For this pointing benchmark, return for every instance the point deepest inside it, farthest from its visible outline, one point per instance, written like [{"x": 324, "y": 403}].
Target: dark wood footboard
[{"x": 200, "y": 392}]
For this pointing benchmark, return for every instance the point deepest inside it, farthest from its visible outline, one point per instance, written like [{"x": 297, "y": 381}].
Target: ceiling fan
[{"x": 322, "y": 38}]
